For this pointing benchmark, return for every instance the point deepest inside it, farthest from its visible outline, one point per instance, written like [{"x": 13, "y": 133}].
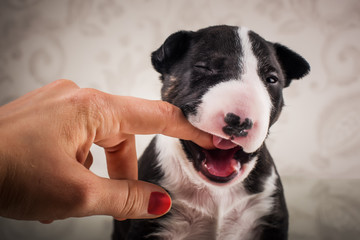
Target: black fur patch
[{"x": 191, "y": 62}]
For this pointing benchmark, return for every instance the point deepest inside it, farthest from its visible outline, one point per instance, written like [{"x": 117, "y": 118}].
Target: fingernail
[{"x": 159, "y": 203}]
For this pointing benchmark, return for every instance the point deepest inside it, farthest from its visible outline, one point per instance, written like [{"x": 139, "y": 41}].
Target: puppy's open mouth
[{"x": 220, "y": 165}]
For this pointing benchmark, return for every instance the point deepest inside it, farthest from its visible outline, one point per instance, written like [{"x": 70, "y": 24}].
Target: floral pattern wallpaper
[{"x": 106, "y": 44}]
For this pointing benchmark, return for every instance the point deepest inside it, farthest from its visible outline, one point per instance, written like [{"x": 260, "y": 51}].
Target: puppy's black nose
[{"x": 234, "y": 127}]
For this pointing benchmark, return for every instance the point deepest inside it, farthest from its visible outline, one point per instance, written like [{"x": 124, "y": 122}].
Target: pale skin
[{"x": 45, "y": 156}]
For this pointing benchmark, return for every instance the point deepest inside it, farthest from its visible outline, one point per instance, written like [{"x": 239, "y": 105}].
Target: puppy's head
[{"x": 228, "y": 81}]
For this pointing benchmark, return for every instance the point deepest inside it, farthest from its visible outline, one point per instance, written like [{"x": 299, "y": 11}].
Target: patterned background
[{"x": 107, "y": 44}]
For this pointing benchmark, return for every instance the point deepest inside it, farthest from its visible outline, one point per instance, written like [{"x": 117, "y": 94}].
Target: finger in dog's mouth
[{"x": 220, "y": 165}]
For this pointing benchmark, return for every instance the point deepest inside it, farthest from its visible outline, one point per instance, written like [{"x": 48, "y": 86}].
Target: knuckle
[
  {"x": 89, "y": 103},
  {"x": 88, "y": 97},
  {"x": 65, "y": 83},
  {"x": 167, "y": 109},
  {"x": 86, "y": 201},
  {"x": 133, "y": 201},
  {"x": 170, "y": 114}
]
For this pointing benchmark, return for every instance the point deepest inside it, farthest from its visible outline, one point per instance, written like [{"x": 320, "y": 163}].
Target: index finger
[{"x": 141, "y": 116}]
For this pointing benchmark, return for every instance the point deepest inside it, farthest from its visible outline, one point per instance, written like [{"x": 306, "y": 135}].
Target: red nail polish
[{"x": 159, "y": 203}]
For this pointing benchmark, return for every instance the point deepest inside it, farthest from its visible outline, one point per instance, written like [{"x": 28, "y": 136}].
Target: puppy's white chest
[
  {"x": 238, "y": 221},
  {"x": 188, "y": 223},
  {"x": 203, "y": 211}
]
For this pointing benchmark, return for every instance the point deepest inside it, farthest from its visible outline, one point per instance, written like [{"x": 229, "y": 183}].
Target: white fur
[
  {"x": 201, "y": 210},
  {"x": 247, "y": 97}
]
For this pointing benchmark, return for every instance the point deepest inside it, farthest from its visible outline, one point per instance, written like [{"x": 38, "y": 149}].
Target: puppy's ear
[
  {"x": 293, "y": 65},
  {"x": 172, "y": 50}
]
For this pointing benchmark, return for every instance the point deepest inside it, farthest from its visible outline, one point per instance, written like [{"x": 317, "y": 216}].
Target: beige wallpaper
[{"x": 107, "y": 45}]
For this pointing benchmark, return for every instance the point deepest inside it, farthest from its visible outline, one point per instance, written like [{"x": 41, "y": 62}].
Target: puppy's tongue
[
  {"x": 222, "y": 143},
  {"x": 220, "y": 162}
]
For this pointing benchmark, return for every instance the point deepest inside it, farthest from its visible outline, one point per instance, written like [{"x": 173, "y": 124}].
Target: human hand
[{"x": 45, "y": 156}]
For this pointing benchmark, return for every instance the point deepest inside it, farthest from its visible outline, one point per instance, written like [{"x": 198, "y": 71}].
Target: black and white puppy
[{"x": 228, "y": 81}]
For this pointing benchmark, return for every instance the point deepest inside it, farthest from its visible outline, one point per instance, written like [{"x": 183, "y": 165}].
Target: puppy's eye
[
  {"x": 272, "y": 79},
  {"x": 202, "y": 66}
]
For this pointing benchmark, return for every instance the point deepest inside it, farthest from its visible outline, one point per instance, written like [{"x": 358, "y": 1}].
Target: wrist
[
  {"x": 8, "y": 182},
  {"x": 3, "y": 184}
]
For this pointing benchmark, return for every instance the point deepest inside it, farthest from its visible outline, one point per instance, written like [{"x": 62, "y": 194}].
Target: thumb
[{"x": 132, "y": 199}]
